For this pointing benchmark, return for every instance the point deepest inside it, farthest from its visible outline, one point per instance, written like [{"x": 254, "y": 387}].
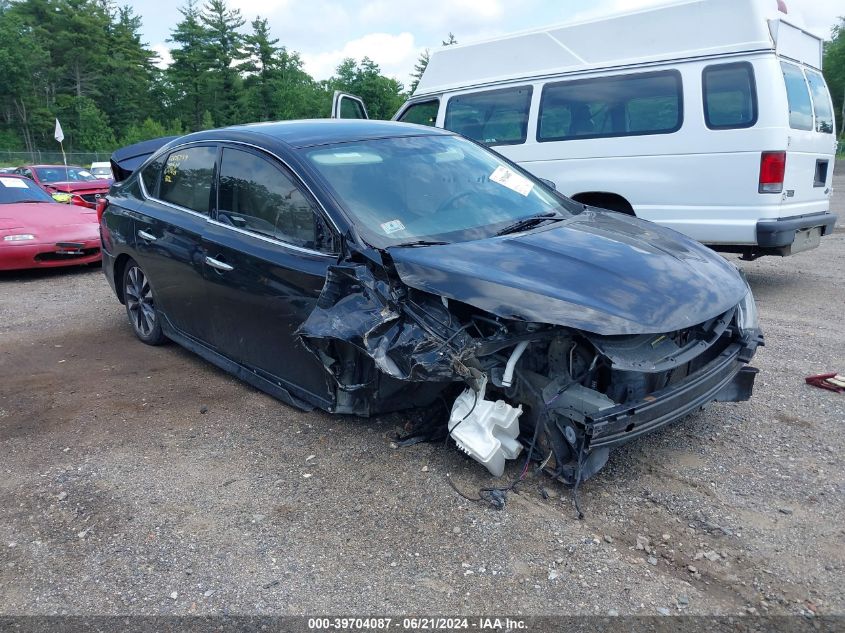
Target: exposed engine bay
[{"x": 566, "y": 396}]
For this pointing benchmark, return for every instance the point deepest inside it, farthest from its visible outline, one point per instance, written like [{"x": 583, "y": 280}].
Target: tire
[{"x": 140, "y": 305}]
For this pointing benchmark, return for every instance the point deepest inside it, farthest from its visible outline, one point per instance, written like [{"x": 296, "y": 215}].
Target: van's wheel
[{"x": 140, "y": 305}]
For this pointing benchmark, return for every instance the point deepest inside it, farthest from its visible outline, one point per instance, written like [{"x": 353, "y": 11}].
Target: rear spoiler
[{"x": 126, "y": 160}]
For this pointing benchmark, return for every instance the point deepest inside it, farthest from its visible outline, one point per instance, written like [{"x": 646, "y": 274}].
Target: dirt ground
[{"x": 139, "y": 480}]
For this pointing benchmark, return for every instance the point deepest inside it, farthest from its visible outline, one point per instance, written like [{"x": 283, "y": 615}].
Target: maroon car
[{"x": 84, "y": 187}]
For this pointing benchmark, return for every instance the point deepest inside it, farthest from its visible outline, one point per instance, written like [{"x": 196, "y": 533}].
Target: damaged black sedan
[{"x": 363, "y": 267}]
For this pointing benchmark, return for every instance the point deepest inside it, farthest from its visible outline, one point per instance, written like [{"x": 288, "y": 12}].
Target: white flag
[{"x": 60, "y": 136}]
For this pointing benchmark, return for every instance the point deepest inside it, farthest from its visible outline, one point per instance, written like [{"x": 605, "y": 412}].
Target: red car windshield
[
  {"x": 64, "y": 174},
  {"x": 14, "y": 190}
]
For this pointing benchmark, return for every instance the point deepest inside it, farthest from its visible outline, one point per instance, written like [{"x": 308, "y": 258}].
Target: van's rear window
[
  {"x": 798, "y": 97},
  {"x": 493, "y": 117},
  {"x": 730, "y": 96},
  {"x": 821, "y": 102},
  {"x": 623, "y": 105}
]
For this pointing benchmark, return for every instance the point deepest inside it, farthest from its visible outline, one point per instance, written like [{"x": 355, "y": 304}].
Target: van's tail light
[
  {"x": 772, "y": 168},
  {"x": 102, "y": 203}
]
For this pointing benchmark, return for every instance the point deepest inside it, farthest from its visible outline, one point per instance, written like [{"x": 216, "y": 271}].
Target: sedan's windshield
[
  {"x": 13, "y": 190},
  {"x": 423, "y": 189},
  {"x": 64, "y": 174}
]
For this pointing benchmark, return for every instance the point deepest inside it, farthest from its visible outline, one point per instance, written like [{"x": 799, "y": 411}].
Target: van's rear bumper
[{"x": 781, "y": 232}]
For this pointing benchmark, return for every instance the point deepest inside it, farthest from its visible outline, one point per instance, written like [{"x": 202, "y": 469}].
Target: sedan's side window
[
  {"x": 187, "y": 177},
  {"x": 257, "y": 196}
]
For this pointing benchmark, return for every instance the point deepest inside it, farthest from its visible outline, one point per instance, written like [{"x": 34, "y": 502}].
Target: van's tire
[
  {"x": 140, "y": 305},
  {"x": 605, "y": 200}
]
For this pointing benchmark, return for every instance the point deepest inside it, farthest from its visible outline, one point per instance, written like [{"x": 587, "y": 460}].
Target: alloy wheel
[{"x": 139, "y": 302}]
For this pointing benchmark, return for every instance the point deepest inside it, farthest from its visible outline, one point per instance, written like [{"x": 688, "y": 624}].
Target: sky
[{"x": 393, "y": 33}]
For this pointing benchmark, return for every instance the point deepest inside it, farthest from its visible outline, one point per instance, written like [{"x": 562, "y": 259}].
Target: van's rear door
[
  {"x": 348, "y": 106},
  {"x": 811, "y": 145}
]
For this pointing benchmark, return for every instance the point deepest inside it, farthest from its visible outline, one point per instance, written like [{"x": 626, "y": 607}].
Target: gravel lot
[{"x": 140, "y": 480}]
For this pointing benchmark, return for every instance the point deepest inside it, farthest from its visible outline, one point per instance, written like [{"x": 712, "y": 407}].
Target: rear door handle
[
  {"x": 216, "y": 263},
  {"x": 147, "y": 236}
]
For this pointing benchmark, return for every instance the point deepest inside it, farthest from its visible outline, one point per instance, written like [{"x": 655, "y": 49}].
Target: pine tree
[{"x": 419, "y": 69}]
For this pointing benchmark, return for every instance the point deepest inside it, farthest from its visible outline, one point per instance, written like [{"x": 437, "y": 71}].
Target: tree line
[{"x": 85, "y": 63}]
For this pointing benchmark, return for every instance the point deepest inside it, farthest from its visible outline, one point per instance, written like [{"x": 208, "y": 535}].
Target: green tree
[
  {"x": 188, "y": 74},
  {"x": 383, "y": 95},
  {"x": 23, "y": 61},
  {"x": 834, "y": 71},
  {"x": 261, "y": 66},
  {"x": 129, "y": 72},
  {"x": 223, "y": 48},
  {"x": 419, "y": 69}
]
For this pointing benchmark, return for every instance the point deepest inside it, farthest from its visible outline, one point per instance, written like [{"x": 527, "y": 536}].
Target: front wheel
[{"x": 140, "y": 305}]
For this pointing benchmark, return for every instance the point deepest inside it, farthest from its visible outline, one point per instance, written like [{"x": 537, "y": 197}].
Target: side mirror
[{"x": 550, "y": 184}]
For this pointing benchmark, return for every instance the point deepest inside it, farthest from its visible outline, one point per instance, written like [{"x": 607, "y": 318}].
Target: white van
[{"x": 707, "y": 116}]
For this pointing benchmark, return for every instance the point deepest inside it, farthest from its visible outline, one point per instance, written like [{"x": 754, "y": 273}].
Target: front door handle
[
  {"x": 216, "y": 263},
  {"x": 147, "y": 236}
]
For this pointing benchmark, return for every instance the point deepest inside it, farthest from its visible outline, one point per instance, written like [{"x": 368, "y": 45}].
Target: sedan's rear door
[
  {"x": 168, "y": 235},
  {"x": 267, "y": 253}
]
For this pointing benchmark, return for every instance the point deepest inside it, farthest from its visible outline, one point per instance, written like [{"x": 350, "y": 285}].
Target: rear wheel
[{"x": 140, "y": 305}]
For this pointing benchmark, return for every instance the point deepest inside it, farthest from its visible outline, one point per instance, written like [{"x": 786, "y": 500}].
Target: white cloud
[
  {"x": 164, "y": 57},
  {"x": 249, "y": 9},
  {"x": 395, "y": 54},
  {"x": 441, "y": 16}
]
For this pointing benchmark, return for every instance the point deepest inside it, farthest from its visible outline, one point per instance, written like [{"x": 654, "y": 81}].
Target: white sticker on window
[
  {"x": 512, "y": 180},
  {"x": 14, "y": 183},
  {"x": 392, "y": 227}
]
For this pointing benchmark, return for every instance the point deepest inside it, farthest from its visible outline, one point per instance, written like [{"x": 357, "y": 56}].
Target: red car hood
[
  {"x": 49, "y": 220},
  {"x": 75, "y": 186}
]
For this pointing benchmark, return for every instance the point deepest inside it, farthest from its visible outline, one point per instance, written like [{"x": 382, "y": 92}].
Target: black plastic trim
[{"x": 781, "y": 231}]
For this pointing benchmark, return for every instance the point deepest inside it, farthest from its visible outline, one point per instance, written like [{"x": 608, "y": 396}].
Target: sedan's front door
[{"x": 267, "y": 253}]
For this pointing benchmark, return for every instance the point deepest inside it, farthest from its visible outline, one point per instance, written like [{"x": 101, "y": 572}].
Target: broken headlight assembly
[{"x": 747, "y": 318}]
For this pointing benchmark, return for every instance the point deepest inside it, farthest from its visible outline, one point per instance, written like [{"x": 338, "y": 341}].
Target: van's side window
[
  {"x": 623, "y": 105},
  {"x": 800, "y": 108},
  {"x": 821, "y": 102},
  {"x": 730, "y": 96},
  {"x": 494, "y": 117},
  {"x": 422, "y": 113}
]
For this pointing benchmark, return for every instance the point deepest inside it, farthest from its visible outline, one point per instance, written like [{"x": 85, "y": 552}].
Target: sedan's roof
[{"x": 310, "y": 132}]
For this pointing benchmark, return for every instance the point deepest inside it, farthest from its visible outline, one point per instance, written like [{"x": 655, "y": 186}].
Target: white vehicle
[
  {"x": 707, "y": 116},
  {"x": 101, "y": 170}
]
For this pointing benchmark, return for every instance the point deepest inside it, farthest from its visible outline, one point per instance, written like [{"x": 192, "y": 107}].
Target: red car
[
  {"x": 83, "y": 186},
  {"x": 36, "y": 231}
]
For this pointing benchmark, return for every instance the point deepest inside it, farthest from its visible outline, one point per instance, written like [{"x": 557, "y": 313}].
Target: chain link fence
[{"x": 52, "y": 157}]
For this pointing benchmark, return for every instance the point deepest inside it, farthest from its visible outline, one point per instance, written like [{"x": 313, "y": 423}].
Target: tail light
[
  {"x": 772, "y": 168},
  {"x": 102, "y": 203}
]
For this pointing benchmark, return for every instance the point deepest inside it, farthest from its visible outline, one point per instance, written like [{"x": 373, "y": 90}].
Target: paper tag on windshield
[
  {"x": 392, "y": 227},
  {"x": 512, "y": 180},
  {"x": 13, "y": 183}
]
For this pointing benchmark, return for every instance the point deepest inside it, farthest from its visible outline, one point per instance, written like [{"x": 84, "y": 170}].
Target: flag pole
[
  {"x": 59, "y": 135},
  {"x": 64, "y": 160}
]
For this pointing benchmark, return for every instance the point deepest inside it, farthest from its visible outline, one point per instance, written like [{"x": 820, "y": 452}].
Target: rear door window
[
  {"x": 257, "y": 196},
  {"x": 423, "y": 113},
  {"x": 623, "y": 105},
  {"x": 730, "y": 96},
  {"x": 798, "y": 97},
  {"x": 187, "y": 177},
  {"x": 493, "y": 117},
  {"x": 821, "y": 102}
]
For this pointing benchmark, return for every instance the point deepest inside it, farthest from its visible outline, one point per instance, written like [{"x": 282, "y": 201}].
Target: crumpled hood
[{"x": 599, "y": 271}]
